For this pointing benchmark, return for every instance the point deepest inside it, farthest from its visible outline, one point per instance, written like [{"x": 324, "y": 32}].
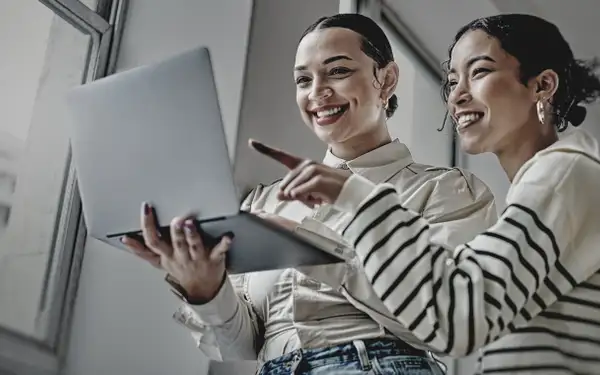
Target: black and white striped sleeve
[{"x": 492, "y": 284}]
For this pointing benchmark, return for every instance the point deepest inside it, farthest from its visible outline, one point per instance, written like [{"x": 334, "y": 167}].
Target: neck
[
  {"x": 523, "y": 147},
  {"x": 354, "y": 147}
]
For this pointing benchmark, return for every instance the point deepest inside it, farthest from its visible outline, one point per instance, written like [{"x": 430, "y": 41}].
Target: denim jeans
[{"x": 381, "y": 358}]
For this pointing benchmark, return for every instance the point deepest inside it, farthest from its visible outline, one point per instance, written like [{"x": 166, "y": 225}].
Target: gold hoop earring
[{"x": 540, "y": 112}]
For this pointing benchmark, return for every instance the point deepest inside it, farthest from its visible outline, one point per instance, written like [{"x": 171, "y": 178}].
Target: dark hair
[
  {"x": 375, "y": 43},
  {"x": 539, "y": 45}
]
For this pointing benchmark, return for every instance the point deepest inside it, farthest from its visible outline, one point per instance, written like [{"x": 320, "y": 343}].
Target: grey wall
[{"x": 269, "y": 112}]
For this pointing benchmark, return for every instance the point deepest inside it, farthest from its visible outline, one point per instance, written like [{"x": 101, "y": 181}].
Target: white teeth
[
  {"x": 468, "y": 118},
  {"x": 329, "y": 112}
]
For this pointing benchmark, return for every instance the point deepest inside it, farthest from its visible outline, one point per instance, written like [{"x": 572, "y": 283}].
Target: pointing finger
[{"x": 281, "y": 156}]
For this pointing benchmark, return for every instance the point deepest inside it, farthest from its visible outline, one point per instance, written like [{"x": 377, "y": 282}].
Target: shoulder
[
  {"x": 445, "y": 193},
  {"x": 559, "y": 171},
  {"x": 447, "y": 181}
]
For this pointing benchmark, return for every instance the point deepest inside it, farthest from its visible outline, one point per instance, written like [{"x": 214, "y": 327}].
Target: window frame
[{"x": 21, "y": 354}]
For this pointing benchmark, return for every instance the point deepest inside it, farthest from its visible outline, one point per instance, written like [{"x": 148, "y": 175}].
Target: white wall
[{"x": 122, "y": 322}]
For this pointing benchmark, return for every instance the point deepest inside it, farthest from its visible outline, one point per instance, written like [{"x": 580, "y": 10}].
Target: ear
[
  {"x": 546, "y": 84},
  {"x": 389, "y": 80}
]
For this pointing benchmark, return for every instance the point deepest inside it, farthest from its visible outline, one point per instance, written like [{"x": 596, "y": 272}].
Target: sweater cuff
[
  {"x": 355, "y": 190},
  {"x": 220, "y": 309}
]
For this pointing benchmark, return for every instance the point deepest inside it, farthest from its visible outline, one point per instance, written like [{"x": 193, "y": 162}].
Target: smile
[
  {"x": 329, "y": 115},
  {"x": 464, "y": 120}
]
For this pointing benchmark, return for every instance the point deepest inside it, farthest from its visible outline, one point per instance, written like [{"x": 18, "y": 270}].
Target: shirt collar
[{"x": 378, "y": 165}]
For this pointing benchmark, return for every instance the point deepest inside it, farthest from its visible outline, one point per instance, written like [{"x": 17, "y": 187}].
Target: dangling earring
[
  {"x": 385, "y": 104},
  {"x": 540, "y": 112}
]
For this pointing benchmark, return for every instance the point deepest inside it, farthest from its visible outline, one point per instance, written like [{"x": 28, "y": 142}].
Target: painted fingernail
[
  {"x": 147, "y": 208},
  {"x": 123, "y": 240},
  {"x": 189, "y": 226}
]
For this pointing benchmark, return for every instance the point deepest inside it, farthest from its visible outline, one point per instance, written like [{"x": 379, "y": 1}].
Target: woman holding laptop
[{"x": 325, "y": 319}]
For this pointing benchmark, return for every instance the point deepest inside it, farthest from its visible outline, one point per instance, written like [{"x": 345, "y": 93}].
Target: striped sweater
[{"x": 526, "y": 292}]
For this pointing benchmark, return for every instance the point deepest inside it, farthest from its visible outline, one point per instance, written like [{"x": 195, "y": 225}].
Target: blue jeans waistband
[{"x": 359, "y": 351}]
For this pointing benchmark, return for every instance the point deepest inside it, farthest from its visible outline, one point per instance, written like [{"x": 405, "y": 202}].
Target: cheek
[
  {"x": 357, "y": 90},
  {"x": 506, "y": 101},
  {"x": 302, "y": 100}
]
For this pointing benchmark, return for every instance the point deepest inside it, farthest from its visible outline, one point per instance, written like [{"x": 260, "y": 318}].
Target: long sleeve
[
  {"x": 227, "y": 327},
  {"x": 458, "y": 300}
]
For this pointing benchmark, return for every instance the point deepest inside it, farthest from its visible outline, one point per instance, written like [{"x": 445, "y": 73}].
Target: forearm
[
  {"x": 226, "y": 325},
  {"x": 488, "y": 287}
]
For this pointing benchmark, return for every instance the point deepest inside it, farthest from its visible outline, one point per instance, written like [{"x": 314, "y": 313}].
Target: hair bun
[{"x": 576, "y": 115}]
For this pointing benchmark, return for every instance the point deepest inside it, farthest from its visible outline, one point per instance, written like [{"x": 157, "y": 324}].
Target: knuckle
[
  {"x": 305, "y": 164},
  {"x": 153, "y": 242},
  {"x": 193, "y": 240},
  {"x": 312, "y": 168}
]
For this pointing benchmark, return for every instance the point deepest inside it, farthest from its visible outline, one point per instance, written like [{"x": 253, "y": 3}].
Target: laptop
[{"x": 155, "y": 134}]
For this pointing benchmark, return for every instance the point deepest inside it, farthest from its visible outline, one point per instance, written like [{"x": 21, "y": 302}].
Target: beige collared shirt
[{"x": 267, "y": 314}]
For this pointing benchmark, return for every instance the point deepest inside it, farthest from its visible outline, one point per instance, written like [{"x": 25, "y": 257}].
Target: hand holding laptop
[
  {"x": 197, "y": 269},
  {"x": 162, "y": 103}
]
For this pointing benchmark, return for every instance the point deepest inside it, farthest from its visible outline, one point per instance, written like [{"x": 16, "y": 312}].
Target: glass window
[
  {"x": 48, "y": 46},
  {"x": 43, "y": 56},
  {"x": 420, "y": 110}
]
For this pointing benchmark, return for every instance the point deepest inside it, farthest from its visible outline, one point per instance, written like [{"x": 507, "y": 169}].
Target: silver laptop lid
[{"x": 152, "y": 134}]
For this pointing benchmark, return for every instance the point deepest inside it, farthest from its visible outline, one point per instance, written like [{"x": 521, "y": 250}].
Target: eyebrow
[
  {"x": 328, "y": 60},
  {"x": 473, "y": 60}
]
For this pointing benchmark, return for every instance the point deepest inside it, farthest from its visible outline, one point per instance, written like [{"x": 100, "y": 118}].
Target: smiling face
[
  {"x": 488, "y": 102},
  {"x": 336, "y": 91}
]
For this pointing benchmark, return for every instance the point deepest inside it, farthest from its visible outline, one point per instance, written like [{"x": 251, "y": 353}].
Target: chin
[{"x": 471, "y": 147}]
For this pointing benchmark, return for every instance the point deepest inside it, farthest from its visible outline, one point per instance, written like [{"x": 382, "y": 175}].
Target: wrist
[{"x": 195, "y": 295}]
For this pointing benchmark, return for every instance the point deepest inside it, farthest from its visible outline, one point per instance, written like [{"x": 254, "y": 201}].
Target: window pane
[
  {"x": 43, "y": 56},
  {"x": 92, "y": 4},
  {"x": 420, "y": 109}
]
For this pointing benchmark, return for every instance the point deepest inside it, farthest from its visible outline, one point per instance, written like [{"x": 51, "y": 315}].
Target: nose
[
  {"x": 319, "y": 91},
  {"x": 460, "y": 95}
]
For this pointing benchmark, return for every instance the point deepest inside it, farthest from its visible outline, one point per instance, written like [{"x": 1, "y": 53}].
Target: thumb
[{"x": 281, "y": 156}]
